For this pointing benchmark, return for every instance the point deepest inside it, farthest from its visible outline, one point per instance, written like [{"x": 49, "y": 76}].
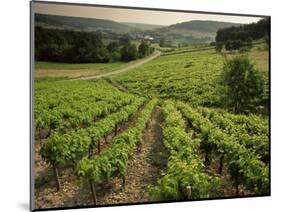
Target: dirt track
[{"x": 137, "y": 64}]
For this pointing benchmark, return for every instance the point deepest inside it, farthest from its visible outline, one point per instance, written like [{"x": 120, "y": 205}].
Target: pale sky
[{"x": 133, "y": 15}]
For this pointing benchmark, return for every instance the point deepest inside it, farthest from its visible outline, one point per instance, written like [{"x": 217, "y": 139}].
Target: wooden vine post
[
  {"x": 40, "y": 140},
  {"x": 56, "y": 175},
  {"x": 116, "y": 129},
  {"x": 123, "y": 181},
  {"x": 99, "y": 146},
  {"x": 93, "y": 191},
  {"x": 188, "y": 192},
  {"x": 90, "y": 152},
  {"x": 221, "y": 164}
]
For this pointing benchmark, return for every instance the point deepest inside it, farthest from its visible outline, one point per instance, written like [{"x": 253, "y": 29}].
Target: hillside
[
  {"x": 191, "y": 31},
  {"x": 201, "y": 26},
  {"x": 141, "y": 26},
  {"x": 78, "y": 23}
]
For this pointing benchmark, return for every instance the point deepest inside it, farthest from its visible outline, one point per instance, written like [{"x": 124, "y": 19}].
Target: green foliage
[
  {"x": 65, "y": 105},
  {"x": 168, "y": 78},
  {"x": 113, "y": 161},
  {"x": 144, "y": 49},
  {"x": 129, "y": 52},
  {"x": 69, "y": 46},
  {"x": 244, "y": 85},
  {"x": 244, "y": 32},
  {"x": 245, "y": 166},
  {"x": 184, "y": 169},
  {"x": 218, "y": 46},
  {"x": 250, "y": 131},
  {"x": 66, "y": 147}
]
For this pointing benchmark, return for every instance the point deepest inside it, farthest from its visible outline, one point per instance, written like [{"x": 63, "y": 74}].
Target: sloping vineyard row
[
  {"x": 185, "y": 177},
  {"x": 186, "y": 77},
  {"x": 113, "y": 161},
  {"x": 250, "y": 132},
  {"x": 245, "y": 167},
  {"x": 65, "y": 106},
  {"x": 62, "y": 148}
]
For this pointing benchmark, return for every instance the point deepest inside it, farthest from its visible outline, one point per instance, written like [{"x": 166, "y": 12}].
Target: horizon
[
  {"x": 127, "y": 22},
  {"x": 139, "y": 16}
]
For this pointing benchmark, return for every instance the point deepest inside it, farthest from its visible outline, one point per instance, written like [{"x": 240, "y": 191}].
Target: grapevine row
[
  {"x": 113, "y": 161},
  {"x": 185, "y": 177},
  {"x": 51, "y": 112},
  {"x": 62, "y": 148},
  {"x": 257, "y": 142},
  {"x": 245, "y": 167}
]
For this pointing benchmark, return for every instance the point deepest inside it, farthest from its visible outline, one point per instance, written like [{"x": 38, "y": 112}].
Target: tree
[
  {"x": 162, "y": 42},
  {"x": 218, "y": 46},
  {"x": 113, "y": 46},
  {"x": 124, "y": 41},
  {"x": 129, "y": 53},
  {"x": 244, "y": 85},
  {"x": 144, "y": 49},
  {"x": 228, "y": 46},
  {"x": 243, "y": 32},
  {"x": 237, "y": 44}
]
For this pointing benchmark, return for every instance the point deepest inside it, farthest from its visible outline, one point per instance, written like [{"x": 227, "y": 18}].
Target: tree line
[
  {"x": 85, "y": 47},
  {"x": 237, "y": 37}
]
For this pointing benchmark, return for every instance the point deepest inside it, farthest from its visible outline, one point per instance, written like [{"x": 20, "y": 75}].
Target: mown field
[
  {"x": 155, "y": 133},
  {"x": 72, "y": 70}
]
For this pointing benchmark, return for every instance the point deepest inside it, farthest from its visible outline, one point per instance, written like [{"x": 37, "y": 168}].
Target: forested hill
[
  {"x": 245, "y": 32},
  {"x": 79, "y": 23},
  {"x": 202, "y": 26}
]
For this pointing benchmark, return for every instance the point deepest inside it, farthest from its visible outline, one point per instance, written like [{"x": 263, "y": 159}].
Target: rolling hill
[
  {"x": 201, "y": 26},
  {"x": 196, "y": 31},
  {"x": 192, "y": 32},
  {"x": 141, "y": 26},
  {"x": 79, "y": 23}
]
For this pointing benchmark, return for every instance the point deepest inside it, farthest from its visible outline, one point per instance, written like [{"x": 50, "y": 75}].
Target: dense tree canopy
[
  {"x": 68, "y": 46},
  {"x": 244, "y": 32}
]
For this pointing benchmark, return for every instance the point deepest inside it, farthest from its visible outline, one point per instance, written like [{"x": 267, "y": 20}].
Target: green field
[
  {"x": 71, "y": 70},
  {"x": 70, "y": 66}
]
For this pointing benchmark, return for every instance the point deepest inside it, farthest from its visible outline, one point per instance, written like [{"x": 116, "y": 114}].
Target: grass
[
  {"x": 69, "y": 66},
  {"x": 70, "y": 70}
]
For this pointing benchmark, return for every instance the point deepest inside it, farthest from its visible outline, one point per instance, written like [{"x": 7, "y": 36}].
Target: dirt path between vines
[
  {"x": 117, "y": 85},
  {"x": 144, "y": 168}
]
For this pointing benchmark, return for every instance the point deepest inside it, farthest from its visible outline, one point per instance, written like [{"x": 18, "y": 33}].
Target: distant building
[{"x": 147, "y": 37}]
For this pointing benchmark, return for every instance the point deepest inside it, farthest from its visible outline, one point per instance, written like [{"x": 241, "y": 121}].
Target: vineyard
[{"x": 155, "y": 133}]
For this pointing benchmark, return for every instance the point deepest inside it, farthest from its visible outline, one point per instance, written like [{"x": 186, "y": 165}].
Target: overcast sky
[{"x": 132, "y": 15}]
